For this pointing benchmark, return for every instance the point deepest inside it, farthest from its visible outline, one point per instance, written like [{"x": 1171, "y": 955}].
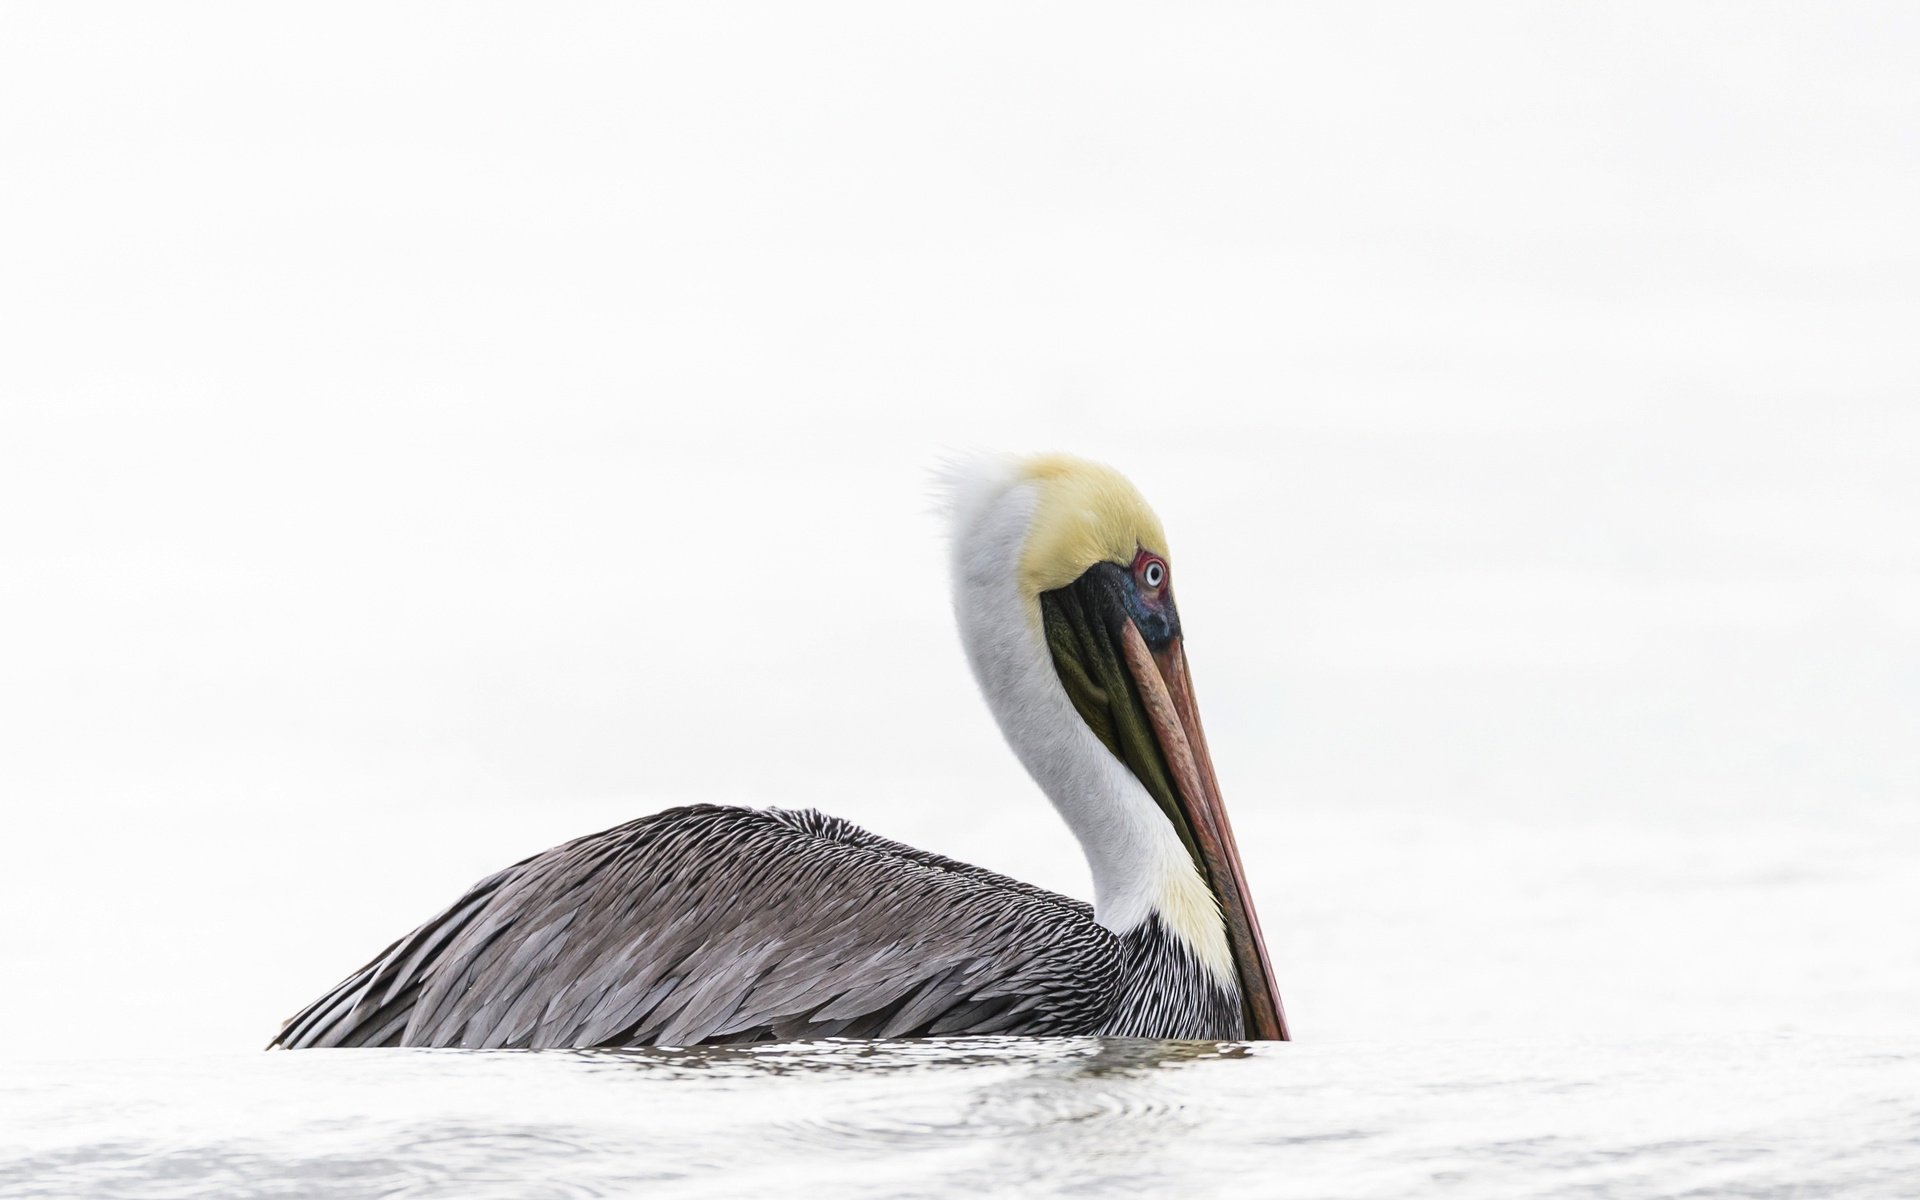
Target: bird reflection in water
[{"x": 1100, "y": 1108}]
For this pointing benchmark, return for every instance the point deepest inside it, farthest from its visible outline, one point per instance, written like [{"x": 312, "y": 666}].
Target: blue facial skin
[{"x": 1112, "y": 591}]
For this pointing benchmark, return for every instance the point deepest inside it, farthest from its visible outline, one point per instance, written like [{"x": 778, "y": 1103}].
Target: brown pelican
[{"x": 718, "y": 924}]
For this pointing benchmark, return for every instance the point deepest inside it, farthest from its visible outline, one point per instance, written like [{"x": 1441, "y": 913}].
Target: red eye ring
[{"x": 1152, "y": 570}]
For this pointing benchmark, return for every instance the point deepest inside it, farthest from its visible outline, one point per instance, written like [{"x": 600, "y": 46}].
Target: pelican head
[{"x": 1064, "y": 590}]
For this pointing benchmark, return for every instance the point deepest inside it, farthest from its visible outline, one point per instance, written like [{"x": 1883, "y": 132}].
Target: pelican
[{"x": 712, "y": 924}]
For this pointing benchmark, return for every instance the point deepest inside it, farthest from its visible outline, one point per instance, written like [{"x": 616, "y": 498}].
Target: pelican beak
[
  {"x": 1138, "y": 700},
  {"x": 1166, "y": 692}
]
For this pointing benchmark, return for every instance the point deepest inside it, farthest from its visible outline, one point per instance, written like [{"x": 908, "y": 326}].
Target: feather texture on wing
[{"x": 711, "y": 923}]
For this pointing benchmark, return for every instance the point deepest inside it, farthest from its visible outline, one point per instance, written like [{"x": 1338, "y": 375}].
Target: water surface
[{"x": 1762, "y": 1117}]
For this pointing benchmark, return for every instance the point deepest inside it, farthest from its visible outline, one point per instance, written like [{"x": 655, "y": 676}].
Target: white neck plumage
[{"x": 1139, "y": 865}]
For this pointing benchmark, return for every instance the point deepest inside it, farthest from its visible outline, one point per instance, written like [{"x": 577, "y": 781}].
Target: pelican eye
[{"x": 1153, "y": 573}]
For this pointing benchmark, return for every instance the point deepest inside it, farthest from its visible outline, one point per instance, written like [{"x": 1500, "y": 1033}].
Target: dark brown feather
[{"x": 710, "y": 923}]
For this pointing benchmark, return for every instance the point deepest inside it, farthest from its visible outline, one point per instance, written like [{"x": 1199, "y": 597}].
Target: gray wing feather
[{"x": 727, "y": 924}]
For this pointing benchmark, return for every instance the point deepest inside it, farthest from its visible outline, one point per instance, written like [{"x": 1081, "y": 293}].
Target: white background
[{"x": 432, "y": 432}]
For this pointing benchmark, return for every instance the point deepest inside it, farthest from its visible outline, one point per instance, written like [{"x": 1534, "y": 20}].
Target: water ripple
[{"x": 1000, "y": 1116}]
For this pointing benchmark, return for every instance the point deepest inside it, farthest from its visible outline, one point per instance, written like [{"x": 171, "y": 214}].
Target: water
[
  {"x": 1761, "y": 1117},
  {"x": 1672, "y": 1003}
]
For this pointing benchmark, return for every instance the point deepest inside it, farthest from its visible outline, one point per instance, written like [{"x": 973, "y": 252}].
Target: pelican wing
[{"x": 710, "y": 923}]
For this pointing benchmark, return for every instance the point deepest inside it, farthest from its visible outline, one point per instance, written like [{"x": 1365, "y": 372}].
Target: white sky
[{"x": 431, "y": 432}]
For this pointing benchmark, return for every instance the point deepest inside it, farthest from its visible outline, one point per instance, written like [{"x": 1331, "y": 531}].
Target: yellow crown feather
[{"x": 1086, "y": 513}]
